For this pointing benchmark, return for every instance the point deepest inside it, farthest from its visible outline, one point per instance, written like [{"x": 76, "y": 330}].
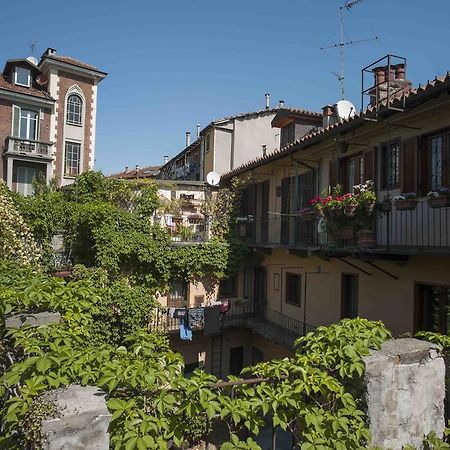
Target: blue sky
[{"x": 175, "y": 63}]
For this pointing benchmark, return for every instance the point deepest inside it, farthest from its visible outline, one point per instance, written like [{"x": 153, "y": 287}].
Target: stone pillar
[
  {"x": 405, "y": 383},
  {"x": 83, "y": 420}
]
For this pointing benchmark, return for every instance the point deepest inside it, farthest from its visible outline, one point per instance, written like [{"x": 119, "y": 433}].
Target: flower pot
[
  {"x": 307, "y": 217},
  {"x": 408, "y": 203},
  {"x": 439, "y": 202},
  {"x": 366, "y": 239},
  {"x": 350, "y": 210},
  {"x": 370, "y": 207},
  {"x": 386, "y": 206}
]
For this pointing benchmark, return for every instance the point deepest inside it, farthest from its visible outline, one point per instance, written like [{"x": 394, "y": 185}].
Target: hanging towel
[
  {"x": 179, "y": 313},
  {"x": 196, "y": 317},
  {"x": 171, "y": 312},
  {"x": 185, "y": 330},
  {"x": 212, "y": 320}
]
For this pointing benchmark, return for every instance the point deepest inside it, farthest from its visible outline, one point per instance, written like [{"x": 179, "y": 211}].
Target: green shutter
[{"x": 15, "y": 121}]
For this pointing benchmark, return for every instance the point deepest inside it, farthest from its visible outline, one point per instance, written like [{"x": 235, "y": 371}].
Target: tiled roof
[
  {"x": 73, "y": 62},
  {"x": 269, "y": 111},
  {"x": 5, "y": 84},
  {"x": 426, "y": 89},
  {"x": 142, "y": 172}
]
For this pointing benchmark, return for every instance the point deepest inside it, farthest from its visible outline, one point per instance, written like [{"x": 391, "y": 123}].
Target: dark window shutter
[
  {"x": 446, "y": 162},
  {"x": 333, "y": 172},
  {"x": 424, "y": 184},
  {"x": 15, "y": 121},
  {"x": 408, "y": 172},
  {"x": 342, "y": 178},
  {"x": 369, "y": 166}
]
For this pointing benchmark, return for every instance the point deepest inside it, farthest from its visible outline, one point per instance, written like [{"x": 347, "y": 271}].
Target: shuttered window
[
  {"x": 391, "y": 165},
  {"x": 409, "y": 165},
  {"x": 293, "y": 288}
]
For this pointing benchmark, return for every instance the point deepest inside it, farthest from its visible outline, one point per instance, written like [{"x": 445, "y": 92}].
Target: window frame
[
  {"x": 28, "y": 119},
  {"x": 419, "y": 306},
  {"x": 16, "y": 70},
  {"x": 74, "y": 113},
  {"x": 233, "y": 292},
  {"x": 288, "y": 297},
  {"x": 69, "y": 174},
  {"x": 386, "y": 164}
]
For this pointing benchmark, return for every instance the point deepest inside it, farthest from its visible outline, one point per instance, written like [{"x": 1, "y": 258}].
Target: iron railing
[
  {"x": 185, "y": 230},
  {"x": 272, "y": 324},
  {"x": 424, "y": 226},
  {"x": 28, "y": 146}
]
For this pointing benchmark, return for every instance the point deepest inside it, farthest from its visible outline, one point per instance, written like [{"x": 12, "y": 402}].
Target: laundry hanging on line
[
  {"x": 196, "y": 317},
  {"x": 185, "y": 330}
]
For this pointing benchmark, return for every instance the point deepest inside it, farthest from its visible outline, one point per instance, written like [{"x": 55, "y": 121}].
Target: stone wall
[{"x": 405, "y": 385}]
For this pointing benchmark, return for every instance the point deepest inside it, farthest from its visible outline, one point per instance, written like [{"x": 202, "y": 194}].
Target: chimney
[
  {"x": 126, "y": 169},
  {"x": 267, "y": 101},
  {"x": 49, "y": 52},
  {"x": 198, "y": 130},
  {"x": 264, "y": 150},
  {"x": 395, "y": 76},
  {"x": 328, "y": 116},
  {"x": 166, "y": 159},
  {"x": 137, "y": 170},
  {"x": 280, "y": 103},
  {"x": 188, "y": 138}
]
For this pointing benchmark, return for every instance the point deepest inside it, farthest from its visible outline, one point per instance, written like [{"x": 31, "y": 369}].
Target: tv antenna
[
  {"x": 348, "y": 5},
  {"x": 33, "y": 45}
]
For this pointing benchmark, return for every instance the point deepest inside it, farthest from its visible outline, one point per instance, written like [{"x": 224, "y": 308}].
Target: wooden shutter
[
  {"x": 306, "y": 188},
  {"x": 369, "y": 166},
  {"x": 424, "y": 180},
  {"x": 15, "y": 121},
  {"x": 333, "y": 173},
  {"x": 408, "y": 165},
  {"x": 342, "y": 177}
]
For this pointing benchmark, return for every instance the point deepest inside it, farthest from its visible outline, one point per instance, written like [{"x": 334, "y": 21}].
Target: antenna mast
[{"x": 342, "y": 44}]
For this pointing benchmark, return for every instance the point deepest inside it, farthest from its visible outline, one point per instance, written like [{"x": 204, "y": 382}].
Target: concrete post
[
  {"x": 83, "y": 422},
  {"x": 405, "y": 384}
]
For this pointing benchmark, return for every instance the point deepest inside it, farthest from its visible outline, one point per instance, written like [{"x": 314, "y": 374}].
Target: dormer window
[{"x": 22, "y": 76}]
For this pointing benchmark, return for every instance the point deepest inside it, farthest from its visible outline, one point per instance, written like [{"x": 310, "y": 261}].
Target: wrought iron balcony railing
[{"x": 28, "y": 147}]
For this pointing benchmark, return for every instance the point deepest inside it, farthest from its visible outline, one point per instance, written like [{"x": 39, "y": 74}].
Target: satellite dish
[
  {"x": 41, "y": 79},
  {"x": 213, "y": 178},
  {"x": 345, "y": 110},
  {"x": 32, "y": 60}
]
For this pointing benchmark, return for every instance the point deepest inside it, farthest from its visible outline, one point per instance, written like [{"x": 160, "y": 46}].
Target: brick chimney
[
  {"x": 392, "y": 78},
  {"x": 329, "y": 116}
]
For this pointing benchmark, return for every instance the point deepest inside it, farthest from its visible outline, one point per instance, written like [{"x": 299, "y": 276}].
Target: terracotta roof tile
[
  {"x": 323, "y": 131},
  {"x": 5, "y": 84},
  {"x": 73, "y": 62}
]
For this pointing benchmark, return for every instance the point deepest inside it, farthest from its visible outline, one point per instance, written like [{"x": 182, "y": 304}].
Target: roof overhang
[
  {"x": 26, "y": 98},
  {"x": 286, "y": 116},
  {"x": 48, "y": 61}
]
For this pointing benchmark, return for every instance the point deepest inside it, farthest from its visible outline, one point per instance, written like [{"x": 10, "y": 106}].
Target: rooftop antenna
[
  {"x": 348, "y": 5},
  {"x": 33, "y": 45}
]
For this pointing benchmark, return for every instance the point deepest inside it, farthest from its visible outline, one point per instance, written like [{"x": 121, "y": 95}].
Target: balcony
[
  {"x": 423, "y": 229},
  {"x": 29, "y": 147},
  {"x": 190, "y": 229},
  {"x": 277, "y": 327}
]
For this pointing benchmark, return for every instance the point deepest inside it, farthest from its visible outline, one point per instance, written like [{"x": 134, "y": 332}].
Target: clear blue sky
[{"x": 175, "y": 63}]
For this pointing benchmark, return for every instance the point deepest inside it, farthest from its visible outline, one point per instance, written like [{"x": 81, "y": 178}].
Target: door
[
  {"x": 349, "y": 296},
  {"x": 433, "y": 309},
  {"x": 260, "y": 298},
  {"x": 25, "y": 177},
  {"x": 236, "y": 360},
  {"x": 285, "y": 209}
]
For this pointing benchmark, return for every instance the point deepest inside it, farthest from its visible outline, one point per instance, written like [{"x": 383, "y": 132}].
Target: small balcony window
[{"x": 22, "y": 77}]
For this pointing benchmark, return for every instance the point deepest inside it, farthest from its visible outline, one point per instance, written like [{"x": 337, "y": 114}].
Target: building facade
[
  {"x": 228, "y": 143},
  {"x": 48, "y": 114}
]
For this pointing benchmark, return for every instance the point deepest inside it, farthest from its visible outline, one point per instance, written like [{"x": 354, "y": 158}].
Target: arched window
[{"x": 74, "y": 110}]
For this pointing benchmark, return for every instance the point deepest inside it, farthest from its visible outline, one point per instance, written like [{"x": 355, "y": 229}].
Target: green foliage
[{"x": 436, "y": 338}]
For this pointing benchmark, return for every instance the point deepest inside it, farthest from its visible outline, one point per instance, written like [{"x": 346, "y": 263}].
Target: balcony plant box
[
  {"x": 439, "y": 199},
  {"x": 366, "y": 239},
  {"x": 406, "y": 201},
  {"x": 307, "y": 215}
]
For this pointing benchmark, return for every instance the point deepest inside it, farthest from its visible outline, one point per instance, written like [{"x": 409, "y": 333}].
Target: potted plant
[
  {"x": 405, "y": 201},
  {"x": 439, "y": 198},
  {"x": 307, "y": 214},
  {"x": 367, "y": 211},
  {"x": 185, "y": 232}
]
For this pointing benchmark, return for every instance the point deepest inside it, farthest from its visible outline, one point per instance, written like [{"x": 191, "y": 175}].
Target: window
[
  {"x": 349, "y": 296},
  {"x": 436, "y": 144},
  {"x": 72, "y": 159},
  {"x": 228, "y": 287},
  {"x": 433, "y": 309},
  {"x": 177, "y": 293},
  {"x": 22, "y": 77},
  {"x": 28, "y": 124},
  {"x": 74, "y": 110},
  {"x": 391, "y": 165},
  {"x": 293, "y": 288}
]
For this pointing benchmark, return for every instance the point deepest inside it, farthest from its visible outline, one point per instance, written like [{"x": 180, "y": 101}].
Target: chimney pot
[
  {"x": 328, "y": 115},
  {"x": 267, "y": 101},
  {"x": 137, "y": 168},
  {"x": 281, "y": 103},
  {"x": 188, "y": 138},
  {"x": 126, "y": 169},
  {"x": 198, "y": 130},
  {"x": 264, "y": 150},
  {"x": 166, "y": 159}
]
